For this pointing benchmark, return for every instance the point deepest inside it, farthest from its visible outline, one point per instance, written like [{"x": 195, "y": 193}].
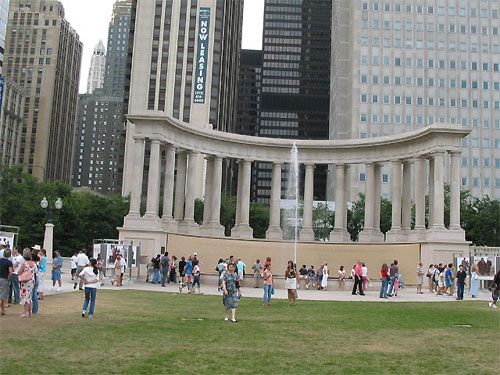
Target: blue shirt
[
  {"x": 58, "y": 261},
  {"x": 241, "y": 265},
  {"x": 43, "y": 264},
  {"x": 189, "y": 267}
]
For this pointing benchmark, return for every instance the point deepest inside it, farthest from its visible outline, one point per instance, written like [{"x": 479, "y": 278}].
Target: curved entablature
[{"x": 421, "y": 142}]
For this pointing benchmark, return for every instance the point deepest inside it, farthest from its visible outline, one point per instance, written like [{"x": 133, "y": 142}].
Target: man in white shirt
[
  {"x": 123, "y": 264},
  {"x": 73, "y": 266},
  {"x": 82, "y": 260},
  {"x": 17, "y": 260}
]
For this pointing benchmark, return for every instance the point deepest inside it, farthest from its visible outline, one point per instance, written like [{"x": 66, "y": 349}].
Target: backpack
[{"x": 436, "y": 275}]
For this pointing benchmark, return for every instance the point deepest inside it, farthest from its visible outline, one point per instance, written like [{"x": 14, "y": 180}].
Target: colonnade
[{"x": 423, "y": 171}]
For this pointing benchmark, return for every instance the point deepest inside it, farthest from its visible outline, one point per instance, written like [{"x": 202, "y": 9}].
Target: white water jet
[{"x": 292, "y": 196}]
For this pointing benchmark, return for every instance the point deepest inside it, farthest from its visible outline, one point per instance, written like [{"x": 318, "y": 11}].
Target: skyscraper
[
  {"x": 399, "y": 66},
  {"x": 100, "y": 118},
  {"x": 97, "y": 68},
  {"x": 295, "y": 81},
  {"x": 43, "y": 55},
  {"x": 4, "y": 15},
  {"x": 179, "y": 83}
]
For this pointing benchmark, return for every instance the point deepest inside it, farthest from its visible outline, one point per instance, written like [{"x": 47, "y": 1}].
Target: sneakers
[
  {"x": 74, "y": 286},
  {"x": 58, "y": 289},
  {"x": 91, "y": 316},
  {"x": 490, "y": 304},
  {"x": 494, "y": 306},
  {"x": 83, "y": 314}
]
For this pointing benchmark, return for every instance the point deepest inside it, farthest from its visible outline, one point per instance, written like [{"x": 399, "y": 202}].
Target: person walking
[
  {"x": 90, "y": 277},
  {"x": 6, "y": 272},
  {"x": 384, "y": 275},
  {"x": 420, "y": 277},
  {"x": 57, "y": 264},
  {"x": 358, "y": 279},
  {"x": 241, "y": 269},
  {"x": 430, "y": 277},
  {"x": 474, "y": 281},
  {"x": 364, "y": 275},
  {"x": 232, "y": 292},
  {"x": 461, "y": 276},
  {"x": 74, "y": 266},
  {"x": 291, "y": 283},
  {"x": 268, "y": 285},
  {"x": 449, "y": 280},
  {"x": 17, "y": 261},
  {"x": 42, "y": 269},
  {"x": 164, "y": 262},
  {"x": 196, "y": 277},
  {"x": 257, "y": 269},
  {"x": 156, "y": 265},
  {"x": 182, "y": 274},
  {"x": 393, "y": 274},
  {"x": 324, "y": 281},
  {"x": 173, "y": 269},
  {"x": 34, "y": 293},
  {"x": 82, "y": 261},
  {"x": 341, "y": 278},
  {"x": 27, "y": 282}
]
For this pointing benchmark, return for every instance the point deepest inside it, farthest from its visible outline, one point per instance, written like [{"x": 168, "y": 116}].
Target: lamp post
[{"x": 48, "y": 239}]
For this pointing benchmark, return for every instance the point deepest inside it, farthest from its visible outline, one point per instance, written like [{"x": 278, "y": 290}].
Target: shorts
[
  {"x": 4, "y": 288},
  {"x": 56, "y": 275},
  {"x": 73, "y": 271},
  {"x": 189, "y": 276},
  {"x": 312, "y": 277},
  {"x": 320, "y": 277}
]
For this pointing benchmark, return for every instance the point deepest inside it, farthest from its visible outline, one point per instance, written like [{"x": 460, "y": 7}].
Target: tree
[
  {"x": 480, "y": 219},
  {"x": 322, "y": 221},
  {"x": 259, "y": 219},
  {"x": 227, "y": 212}
]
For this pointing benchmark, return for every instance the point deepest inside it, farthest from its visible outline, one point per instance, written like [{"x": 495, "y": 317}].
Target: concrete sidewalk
[{"x": 404, "y": 295}]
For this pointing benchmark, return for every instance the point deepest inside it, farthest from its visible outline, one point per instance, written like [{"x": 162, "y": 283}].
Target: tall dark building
[
  {"x": 295, "y": 83},
  {"x": 100, "y": 119}
]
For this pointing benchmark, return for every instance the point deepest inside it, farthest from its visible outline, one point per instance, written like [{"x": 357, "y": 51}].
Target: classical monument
[{"x": 189, "y": 154}]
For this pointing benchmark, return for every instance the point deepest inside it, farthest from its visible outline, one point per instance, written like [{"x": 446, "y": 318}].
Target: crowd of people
[{"x": 22, "y": 278}]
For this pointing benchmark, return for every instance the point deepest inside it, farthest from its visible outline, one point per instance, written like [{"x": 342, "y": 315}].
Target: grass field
[{"x": 136, "y": 332}]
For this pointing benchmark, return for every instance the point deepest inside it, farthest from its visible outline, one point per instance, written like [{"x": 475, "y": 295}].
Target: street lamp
[{"x": 48, "y": 239}]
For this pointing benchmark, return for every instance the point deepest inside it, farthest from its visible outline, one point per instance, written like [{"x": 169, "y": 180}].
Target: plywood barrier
[{"x": 310, "y": 253}]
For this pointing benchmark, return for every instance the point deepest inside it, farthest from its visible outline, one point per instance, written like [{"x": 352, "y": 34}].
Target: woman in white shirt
[
  {"x": 341, "y": 278},
  {"x": 324, "y": 280},
  {"x": 90, "y": 277}
]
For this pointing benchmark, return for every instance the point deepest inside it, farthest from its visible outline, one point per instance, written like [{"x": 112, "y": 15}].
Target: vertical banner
[{"x": 200, "y": 78}]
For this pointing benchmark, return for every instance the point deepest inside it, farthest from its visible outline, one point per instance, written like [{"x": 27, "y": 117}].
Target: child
[
  {"x": 302, "y": 275},
  {"x": 494, "y": 295},
  {"x": 396, "y": 285},
  {"x": 440, "y": 290},
  {"x": 311, "y": 276}
]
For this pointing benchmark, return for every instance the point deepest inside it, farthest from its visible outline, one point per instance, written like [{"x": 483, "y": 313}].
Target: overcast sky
[{"x": 90, "y": 18}]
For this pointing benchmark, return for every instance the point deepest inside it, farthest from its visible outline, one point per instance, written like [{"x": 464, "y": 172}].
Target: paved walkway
[{"x": 404, "y": 295}]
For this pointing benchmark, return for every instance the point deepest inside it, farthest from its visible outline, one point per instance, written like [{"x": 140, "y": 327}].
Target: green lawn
[{"x": 136, "y": 332}]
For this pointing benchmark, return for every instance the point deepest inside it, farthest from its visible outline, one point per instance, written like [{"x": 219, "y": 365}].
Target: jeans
[
  {"x": 460, "y": 291},
  {"x": 15, "y": 288},
  {"x": 89, "y": 295},
  {"x": 391, "y": 288},
  {"x": 164, "y": 273},
  {"x": 156, "y": 276},
  {"x": 34, "y": 296},
  {"x": 267, "y": 293},
  {"x": 196, "y": 281},
  {"x": 383, "y": 289}
]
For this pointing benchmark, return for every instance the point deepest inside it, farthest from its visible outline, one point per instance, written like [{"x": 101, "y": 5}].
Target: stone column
[
  {"x": 135, "y": 196},
  {"x": 190, "y": 189},
  {"x": 217, "y": 228},
  {"x": 339, "y": 232},
  {"x": 406, "y": 200},
  {"x": 395, "y": 233},
  {"x": 153, "y": 197},
  {"x": 48, "y": 241},
  {"x": 438, "y": 209},
  {"x": 243, "y": 229},
  {"x": 431, "y": 193},
  {"x": 237, "y": 220},
  {"x": 274, "y": 231},
  {"x": 377, "y": 234},
  {"x": 368, "y": 229},
  {"x": 208, "y": 203},
  {"x": 168, "y": 190},
  {"x": 180, "y": 185},
  {"x": 420, "y": 186},
  {"x": 307, "y": 232},
  {"x": 455, "y": 191}
]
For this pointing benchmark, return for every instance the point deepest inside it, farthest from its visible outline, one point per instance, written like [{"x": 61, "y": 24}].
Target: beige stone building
[
  {"x": 43, "y": 55},
  {"x": 11, "y": 115}
]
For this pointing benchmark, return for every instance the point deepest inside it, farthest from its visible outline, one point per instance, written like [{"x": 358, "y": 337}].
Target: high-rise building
[
  {"x": 97, "y": 68},
  {"x": 399, "y": 66},
  {"x": 166, "y": 45},
  {"x": 11, "y": 116},
  {"x": 43, "y": 55},
  {"x": 295, "y": 82},
  {"x": 100, "y": 119},
  {"x": 4, "y": 16}
]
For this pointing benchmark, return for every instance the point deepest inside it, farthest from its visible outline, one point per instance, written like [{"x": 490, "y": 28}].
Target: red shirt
[
  {"x": 385, "y": 274},
  {"x": 359, "y": 270}
]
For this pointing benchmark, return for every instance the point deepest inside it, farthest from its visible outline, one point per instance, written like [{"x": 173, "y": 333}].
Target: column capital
[
  {"x": 310, "y": 165},
  {"x": 171, "y": 147},
  {"x": 155, "y": 141},
  {"x": 139, "y": 139},
  {"x": 455, "y": 152}
]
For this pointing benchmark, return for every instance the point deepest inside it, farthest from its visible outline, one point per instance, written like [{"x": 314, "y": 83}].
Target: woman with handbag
[
  {"x": 474, "y": 281},
  {"x": 268, "y": 285},
  {"x": 27, "y": 282}
]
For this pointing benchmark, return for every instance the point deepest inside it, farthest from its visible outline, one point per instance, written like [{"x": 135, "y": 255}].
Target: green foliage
[
  {"x": 356, "y": 217},
  {"x": 259, "y": 219},
  {"x": 83, "y": 217},
  {"x": 480, "y": 219},
  {"x": 322, "y": 221},
  {"x": 385, "y": 215},
  {"x": 198, "y": 211},
  {"x": 227, "y": 212}
]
